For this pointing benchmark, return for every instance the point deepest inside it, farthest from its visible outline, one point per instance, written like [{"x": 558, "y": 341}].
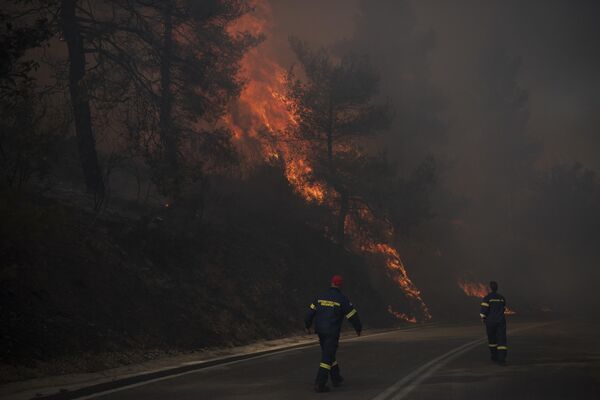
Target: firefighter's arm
[
  {"x": 310, "y": 315},
  {"x": 484, "y": 309},
  {"x": 352, "y": 316}
]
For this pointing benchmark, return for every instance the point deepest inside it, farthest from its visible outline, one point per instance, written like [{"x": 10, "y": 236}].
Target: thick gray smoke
[{"x": 504, "y": 94}]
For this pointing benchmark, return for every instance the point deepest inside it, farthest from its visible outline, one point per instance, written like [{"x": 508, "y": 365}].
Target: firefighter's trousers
[
  {"x": 328, "y": 365},
  {"x": 496, "y": 333}
]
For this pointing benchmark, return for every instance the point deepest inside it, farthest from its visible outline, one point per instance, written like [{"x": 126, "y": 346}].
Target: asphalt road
[{"x": 558, "y": 360}]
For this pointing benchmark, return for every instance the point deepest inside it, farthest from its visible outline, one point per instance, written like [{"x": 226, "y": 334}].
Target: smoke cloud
[{"x": 500, "y": 93}]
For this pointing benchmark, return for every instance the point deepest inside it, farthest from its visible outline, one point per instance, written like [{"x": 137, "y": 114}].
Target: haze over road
[{"x": 550, "y": 360}]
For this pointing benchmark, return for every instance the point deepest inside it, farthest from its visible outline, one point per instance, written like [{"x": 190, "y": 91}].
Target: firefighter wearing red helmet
[{"x": 328, "y": 312}]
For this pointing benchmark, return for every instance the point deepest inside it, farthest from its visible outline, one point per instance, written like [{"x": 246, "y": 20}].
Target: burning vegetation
[
  {"x": 262, "y": 117},
  {"x": 277, "y": 119},
  {"x": 473, "y": 289},
  {"x": 159, "y": 156}
]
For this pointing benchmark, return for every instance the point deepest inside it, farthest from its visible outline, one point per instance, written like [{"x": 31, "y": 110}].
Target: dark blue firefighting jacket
[
  {"x": 492, "y": 307},
  {"x": 329, "y": 311}
]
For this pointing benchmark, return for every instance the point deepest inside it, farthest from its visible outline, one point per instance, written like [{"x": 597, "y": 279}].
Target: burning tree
[
  {"x": 335, "y": 107},
  {"x": 316, "y": 124}
]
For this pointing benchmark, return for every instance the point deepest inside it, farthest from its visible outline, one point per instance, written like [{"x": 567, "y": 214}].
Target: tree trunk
[
  {"x": 79, "y": 99},
  {"x": 330, "y": 138},
  {"x": 341, "y": 225},
  {"x": 167, "y": 134}
]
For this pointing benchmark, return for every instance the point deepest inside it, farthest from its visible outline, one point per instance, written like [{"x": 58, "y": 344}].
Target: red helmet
[{"x": 337, "y": 280}]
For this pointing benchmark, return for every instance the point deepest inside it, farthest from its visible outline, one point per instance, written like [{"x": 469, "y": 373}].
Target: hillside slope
[{"x": 90, "y": 292}]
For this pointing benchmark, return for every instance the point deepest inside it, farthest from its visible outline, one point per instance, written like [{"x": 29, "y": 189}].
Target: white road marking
[
  {"x": 385, "y": 395},
  {"x": 401, "y": 388},
  {"x": 404, "y": 386}
]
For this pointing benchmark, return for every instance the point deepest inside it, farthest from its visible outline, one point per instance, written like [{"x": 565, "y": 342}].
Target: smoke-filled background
[
  {"x": 504, "y": 96},
  {"x": 170, "y": 168}
]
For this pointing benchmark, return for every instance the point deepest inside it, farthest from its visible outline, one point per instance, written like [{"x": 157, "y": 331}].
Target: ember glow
[
  {"x": 263, "y": 119},
  {"x": 479, "y": 290}
]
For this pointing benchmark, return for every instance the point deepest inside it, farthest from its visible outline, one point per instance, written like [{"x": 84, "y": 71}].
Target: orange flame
[
  {"x": 263, "y": 113},
  {"x": 479, "y": 290},
  {"x": 473, "y": 289},
  {"x": 264, "y": 118},
  {"x": 402, "y": 316},
  {"x": 397, "y": 272},
  {"x": 393, "y": 262}
]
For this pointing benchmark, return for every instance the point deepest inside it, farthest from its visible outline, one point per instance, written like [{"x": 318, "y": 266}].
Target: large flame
[
  {"x": 263, "y": 118},
  {"x": 263, "y": 113},
  {"x": 479, "y": 290}
]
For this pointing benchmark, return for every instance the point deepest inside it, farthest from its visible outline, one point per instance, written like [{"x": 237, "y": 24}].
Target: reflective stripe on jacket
[
  {"x": 492, "y": 307},
  {"x": 329, "y": 311}
]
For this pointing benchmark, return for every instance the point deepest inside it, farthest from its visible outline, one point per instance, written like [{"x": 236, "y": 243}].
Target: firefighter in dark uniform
[
  {"x": 328, "y": 312},
  {"x": 492, "y": 313}
]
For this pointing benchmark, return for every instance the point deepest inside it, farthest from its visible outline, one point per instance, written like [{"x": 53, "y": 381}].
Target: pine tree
[{"x": 336, "y": 109}]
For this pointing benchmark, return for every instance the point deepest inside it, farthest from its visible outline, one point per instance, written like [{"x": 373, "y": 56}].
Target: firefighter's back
[
  {"x": 496, "y": 303},
  {"x": 330, "y": 307}
]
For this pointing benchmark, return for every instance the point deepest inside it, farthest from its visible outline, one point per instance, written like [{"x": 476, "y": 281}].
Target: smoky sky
[
  {"x": 558, "y": 44},
  {"x": 557, "y": 41},
  {"x": 446, "y": 65}
]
